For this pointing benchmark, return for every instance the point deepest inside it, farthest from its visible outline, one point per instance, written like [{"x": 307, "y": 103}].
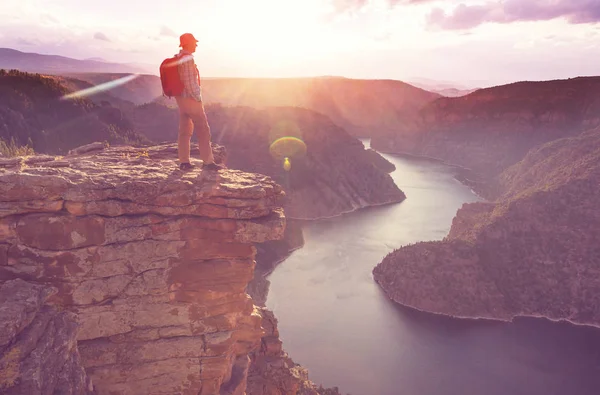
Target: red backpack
[{"x": 169, "y": 77}]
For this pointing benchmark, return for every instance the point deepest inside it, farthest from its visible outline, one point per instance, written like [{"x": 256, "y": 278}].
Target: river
[{"x": 336, "y": 321}]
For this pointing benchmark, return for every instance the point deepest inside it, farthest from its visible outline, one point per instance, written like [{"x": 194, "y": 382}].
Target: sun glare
[{"x": 272, "y": 29}]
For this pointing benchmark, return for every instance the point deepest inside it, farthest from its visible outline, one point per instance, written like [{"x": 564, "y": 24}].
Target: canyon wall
[
  {"x": 38, "y": 344},
  {"x": 152, "y": 263},
  {"x": 532, "y": 252}
]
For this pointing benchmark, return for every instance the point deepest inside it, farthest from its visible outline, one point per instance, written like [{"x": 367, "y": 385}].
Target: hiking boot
[
  {"x": 186, "y": 166},
  {"x": 213, "y": 166}
]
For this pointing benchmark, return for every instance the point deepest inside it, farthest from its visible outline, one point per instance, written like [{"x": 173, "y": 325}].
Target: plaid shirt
[{"x": 188, "y": 72}]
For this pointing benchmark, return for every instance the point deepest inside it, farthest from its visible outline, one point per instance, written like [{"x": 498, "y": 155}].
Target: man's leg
[
  {"x": 186, "y": 129},
  {"x": 203, "y": 132}
]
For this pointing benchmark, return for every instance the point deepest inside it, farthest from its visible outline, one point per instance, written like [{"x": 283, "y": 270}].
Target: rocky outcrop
[
  {"x": 153, "y": 262},
  {"x": 38, "y": 344},
  {"x": 491, "y": 129},
  {"x": 533, "y": 252},
  {"x": 273, "y": 372},
  {"x": 271, "y": 253},
  {"x": 329, "y": 172}
]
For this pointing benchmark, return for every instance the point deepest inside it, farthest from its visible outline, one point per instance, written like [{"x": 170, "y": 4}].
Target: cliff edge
[{"x": 152, "y": 263}]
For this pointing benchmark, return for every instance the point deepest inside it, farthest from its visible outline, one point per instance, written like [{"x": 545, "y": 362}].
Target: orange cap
[{"x": 187, "y": 38}]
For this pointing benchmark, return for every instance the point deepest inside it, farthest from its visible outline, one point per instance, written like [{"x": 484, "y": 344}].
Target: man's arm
[{"x": 187, "y": 73}]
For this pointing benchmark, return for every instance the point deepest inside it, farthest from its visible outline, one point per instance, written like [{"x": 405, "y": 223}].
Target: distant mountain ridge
[
  {"x": 55, "y": 64},
  {"x": 493, "y": 128},
  {"x": 446, "y": 89}
]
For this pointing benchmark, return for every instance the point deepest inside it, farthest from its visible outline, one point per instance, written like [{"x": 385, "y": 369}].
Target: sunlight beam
[{"x": 100, "y": 88}]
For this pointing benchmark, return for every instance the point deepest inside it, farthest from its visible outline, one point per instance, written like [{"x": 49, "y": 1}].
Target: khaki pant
[{"x": 191, "y": 113}]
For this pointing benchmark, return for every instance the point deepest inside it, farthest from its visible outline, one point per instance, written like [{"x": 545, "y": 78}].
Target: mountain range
[
  {"x": 493, "y": 128},
  {"x": 444, "y": 88},
  {"x": 54, "y": 64}
]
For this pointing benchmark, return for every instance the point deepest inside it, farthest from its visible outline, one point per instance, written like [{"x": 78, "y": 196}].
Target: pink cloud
[{"x": 508, "y": 11}]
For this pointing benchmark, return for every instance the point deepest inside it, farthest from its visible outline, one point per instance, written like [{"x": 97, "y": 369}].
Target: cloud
[
  {"x": 508, "y": 11},
  {"x": 101, "y": 36},
  {"x": 166, "y": 31},
  {"x": 343, "y": 6}
]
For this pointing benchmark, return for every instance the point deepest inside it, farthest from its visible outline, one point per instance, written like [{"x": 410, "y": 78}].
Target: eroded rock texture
[
  {"x": 154, "y": 262},
  {"x": 273, "y": 372},
  {"x": 38, "y": 344}
]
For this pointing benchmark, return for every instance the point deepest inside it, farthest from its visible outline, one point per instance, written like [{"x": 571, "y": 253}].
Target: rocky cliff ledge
[
  {"x": 533, "y": 252},
  {"x": 152, "y": 262}
]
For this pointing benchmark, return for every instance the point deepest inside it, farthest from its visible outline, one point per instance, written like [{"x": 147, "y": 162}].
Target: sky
[{"x": 471, "y": 43}]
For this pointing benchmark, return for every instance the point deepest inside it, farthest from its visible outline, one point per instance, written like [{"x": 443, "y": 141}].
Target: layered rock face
[
  {"x": 273, "y": 372},
  {"x": 38, "y": 344},
  {"x": 494, "y": 128},
  {"x": 153, "y": 262},
  {"x": 533, "y": 252},
  {"x": 271, "y": 253}
]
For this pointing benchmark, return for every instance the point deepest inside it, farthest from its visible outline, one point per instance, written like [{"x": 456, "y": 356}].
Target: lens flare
[
  {"x": 287, "y": 147},
  {"x": 287, "y": 165},
  {"x": 100, "y": 88}
]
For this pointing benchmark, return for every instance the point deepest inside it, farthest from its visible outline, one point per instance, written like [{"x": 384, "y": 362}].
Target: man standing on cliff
[{"x": 191, "y": 109}]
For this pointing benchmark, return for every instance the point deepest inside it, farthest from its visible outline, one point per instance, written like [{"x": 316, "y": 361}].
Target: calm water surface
[{"x": 336, "y": 321}]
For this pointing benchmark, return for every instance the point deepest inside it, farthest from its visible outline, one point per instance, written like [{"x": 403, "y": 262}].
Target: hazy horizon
[{"x": 467, "y": 43}]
